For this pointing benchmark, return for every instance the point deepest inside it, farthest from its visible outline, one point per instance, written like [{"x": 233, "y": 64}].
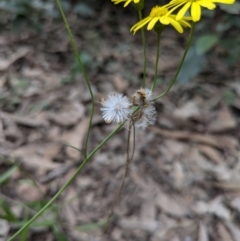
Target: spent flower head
[
  {"x": 163, "y": 16},
  {"x": 145, "y": 117},
  {"x": 195, "y": 7},
  {"x": 142, "y": 97},
  {"x": 126, "y": 2},
  {"x": 116, "y": 108}
]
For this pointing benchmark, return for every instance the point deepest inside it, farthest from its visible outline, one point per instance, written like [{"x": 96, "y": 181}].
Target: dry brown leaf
[
  {"x": 223, "y": 121},
  {"x": 134, "y": 223},
  {"x": 120, "y": 83},
  {"x": 190, "y": 109},
  {"x": 3, "y": 80},
  {"x": 216, "y": 141},
  {"x": 32, "y": 72},
  {"x": 202, "y": 232},
  {"x": 19, "y": 53},
  {"x": 198, "y": 161},
  {"x": 28, "y": 192},
  {"x": 230, "y": 185},
  {"x": 215, "y": 207},
  {"x": 178, "y": 175},
  {"x": 138, "y": 180},
  {"x": 175, "y": 147},
  {"x": 84, "y": 182},
  {"x": 175, "y": 238},
  {"x": 70, "y": 209},
  {"x": 2, "y": 136},
  {"x": 167, "y": 62},
  {"x": 4, "y": 229},
  {"x": 213, "y": 154},
  {"x": 68, "y": 117},
  {"x": 171, "y": 204},
  {"x": 75, "y": 138},
  {"x": 234, "y": 230},
  {"x": 223, "y": 233},
  {"x": 13, "y": 133},
  {"x": 23, "y": 120},
  {"x": 162, "y": 231},
  {"x": 166, "y": 121},
  {"x": 235, "y": 203},
  {"x": 148, "y": 210},
  {"x": 38, "y": 156}
]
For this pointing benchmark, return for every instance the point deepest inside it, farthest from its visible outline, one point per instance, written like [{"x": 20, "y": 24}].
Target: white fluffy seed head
[
  {"x": 147, "y": 116},
  {"x": 116, "y": 108}
]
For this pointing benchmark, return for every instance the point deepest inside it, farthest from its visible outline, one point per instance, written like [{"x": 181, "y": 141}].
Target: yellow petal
[
  {"x": 127, "y": 2},
  {"x": 140, "y": 24},
  {"x": 152, "y": 23},
  {"x": 184, "y": 23},
  {"x": 117, "y": 1},
  {"x": 195, "y": 11},
  {"x": 183, "y": 10},
  {"x": 176, "y": 25},
  {"x": 207, "y": 4},
  {"x": 224, "y": 1},
  {"x": 165, "y": 20}
]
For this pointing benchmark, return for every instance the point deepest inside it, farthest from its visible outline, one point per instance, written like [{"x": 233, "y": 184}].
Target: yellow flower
[
  {"x": 162, "y": 15},
  {"x": 195, "y": 6},
  {"x": 126, "y": 2}
]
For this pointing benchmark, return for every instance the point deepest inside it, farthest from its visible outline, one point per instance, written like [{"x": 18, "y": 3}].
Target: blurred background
[{"x": 184, "y": 181}]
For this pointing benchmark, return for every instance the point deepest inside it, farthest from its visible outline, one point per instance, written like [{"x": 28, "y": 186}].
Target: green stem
[
  {"x": 144, "y": 51},
  {"x": 83, "y": 71},
  {"x": 66, "y": 184},
  {"x": 156, "y": 63},
  {"x": 180, "y": 65}
]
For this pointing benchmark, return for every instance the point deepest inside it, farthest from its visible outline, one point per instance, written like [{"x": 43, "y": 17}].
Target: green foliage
[
  {"x": 231, "y": 8},
  {"x": 84, "y": 10},
  {"x": 192, "y": 66},
  {"x": 25, "y": 12},
  {"x": 6, "y": 212},
  {"x": 4, "y": 176},
  {"x": 205, "y": 43},
  {"x": 229, "y": 97},
  {"x": 58, "y": 234}
]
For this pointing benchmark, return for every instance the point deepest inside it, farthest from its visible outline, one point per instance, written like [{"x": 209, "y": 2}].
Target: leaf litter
[{"x": 183, "y": 183}]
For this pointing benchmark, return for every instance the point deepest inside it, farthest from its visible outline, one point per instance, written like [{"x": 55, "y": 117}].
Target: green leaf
[
  {"x": 91, "y": 226},
  {"x": 228, "y": 97},
  {"x": 46, "y": 223},
  {"x": 84, "y": 10},
  {"x": 7, "y": 174},
  {"x": 59, "y": 235},
  {"x": 192, "y": 66},
  {"x": 24, "y": 234},
  {"x": 9, "y": 215},
  {"x": 231, "y": 8},
  {"x": 205, "y": 43}
]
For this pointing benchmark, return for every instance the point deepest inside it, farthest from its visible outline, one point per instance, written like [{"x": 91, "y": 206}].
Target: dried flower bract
[{"x": 142, "y": 97}]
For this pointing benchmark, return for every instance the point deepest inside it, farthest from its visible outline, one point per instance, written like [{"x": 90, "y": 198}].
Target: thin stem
[
  {"x": 156, "y": 62},
  {"x": 133, "y": 148},
  {"x": 144, "y": 51},
  {"x": 83, "y": 71},
  {"x": 180, "y": 65},
  {"x": 123, "y": 178},
  {"x": 66, "y": 184}
]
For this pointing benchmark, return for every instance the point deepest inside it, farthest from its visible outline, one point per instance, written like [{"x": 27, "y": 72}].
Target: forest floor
[{"x": 184, "y": 180}]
